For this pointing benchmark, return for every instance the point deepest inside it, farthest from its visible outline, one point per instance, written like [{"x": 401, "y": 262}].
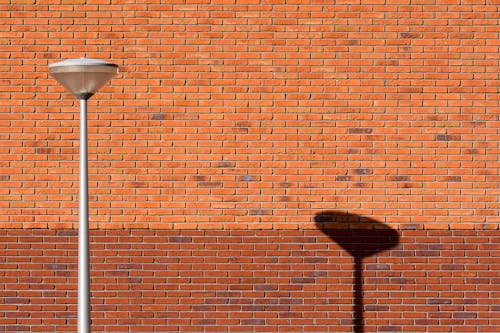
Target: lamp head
[{"x": 83, "y": 76}]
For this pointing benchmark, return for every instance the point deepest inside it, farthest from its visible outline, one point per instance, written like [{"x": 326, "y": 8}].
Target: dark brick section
[
  {"x": 410, "y": 35},
  {"x": 45, "y": 150},
  {"x": 226, "y": 164},
  {"x": 446, "y": 137},
  {"x": 358, "y": 130},
  {"x": 249, "y": 281},
  {"x": 362, "y": 171}
]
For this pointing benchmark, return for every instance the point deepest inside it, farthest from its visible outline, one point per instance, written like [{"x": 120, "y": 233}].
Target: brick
[
  {"x": 379, "y": 100},
  {"x": 245, "y": 119},
  {"x": 248, "y": 274}
]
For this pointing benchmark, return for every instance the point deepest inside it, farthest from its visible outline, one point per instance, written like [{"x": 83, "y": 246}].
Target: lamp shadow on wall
[{"x": 362, "y": 237}]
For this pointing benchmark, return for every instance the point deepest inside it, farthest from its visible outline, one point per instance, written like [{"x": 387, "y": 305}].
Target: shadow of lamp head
[{"x": 360, "y": 236}]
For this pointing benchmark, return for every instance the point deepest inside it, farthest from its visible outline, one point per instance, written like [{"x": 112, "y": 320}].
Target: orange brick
[{"x": 345, "y": 105}]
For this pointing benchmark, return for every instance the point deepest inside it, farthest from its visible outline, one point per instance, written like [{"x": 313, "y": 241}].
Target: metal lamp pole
[
  {"x": 83, "y": 77},
  {"x": 83, "y": 228}
]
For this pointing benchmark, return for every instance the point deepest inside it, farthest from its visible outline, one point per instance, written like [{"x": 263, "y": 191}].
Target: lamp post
[{"x": 83, "y": 77}]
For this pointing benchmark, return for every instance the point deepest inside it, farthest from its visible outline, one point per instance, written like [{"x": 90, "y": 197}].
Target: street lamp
[{"x": 83, "y": 77}]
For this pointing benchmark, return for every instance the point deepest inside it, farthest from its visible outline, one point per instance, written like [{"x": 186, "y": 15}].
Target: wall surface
[
  {"x": 251, "y": 281},
  {"x": 257, "y": 165},
  {"x": 254, "y": 114}
]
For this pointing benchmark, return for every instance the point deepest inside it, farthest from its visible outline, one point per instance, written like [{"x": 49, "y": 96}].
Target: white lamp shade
[{"x": 83, "y": 77}]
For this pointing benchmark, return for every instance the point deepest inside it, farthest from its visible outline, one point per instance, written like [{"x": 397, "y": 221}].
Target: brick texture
[
  {"x": 251, "y": 281},
  {"x": 254, "y": 114}
]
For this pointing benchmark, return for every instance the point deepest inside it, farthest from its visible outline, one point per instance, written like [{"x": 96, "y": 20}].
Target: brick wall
[
  {"x": 268, "y": 165},
  {"x": 254, "y": 114},
  {"x": 251, "y": 281}
]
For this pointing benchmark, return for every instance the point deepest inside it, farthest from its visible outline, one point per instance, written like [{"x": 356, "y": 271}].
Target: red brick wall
[
  {"x": 254, "y": 114},
  {"x": 260, "y": 116},
  {"x": 250, "y": 281}
]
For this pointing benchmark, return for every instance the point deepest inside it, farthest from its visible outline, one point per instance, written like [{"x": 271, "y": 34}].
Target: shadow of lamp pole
[{"x": 362, "y": 237}]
